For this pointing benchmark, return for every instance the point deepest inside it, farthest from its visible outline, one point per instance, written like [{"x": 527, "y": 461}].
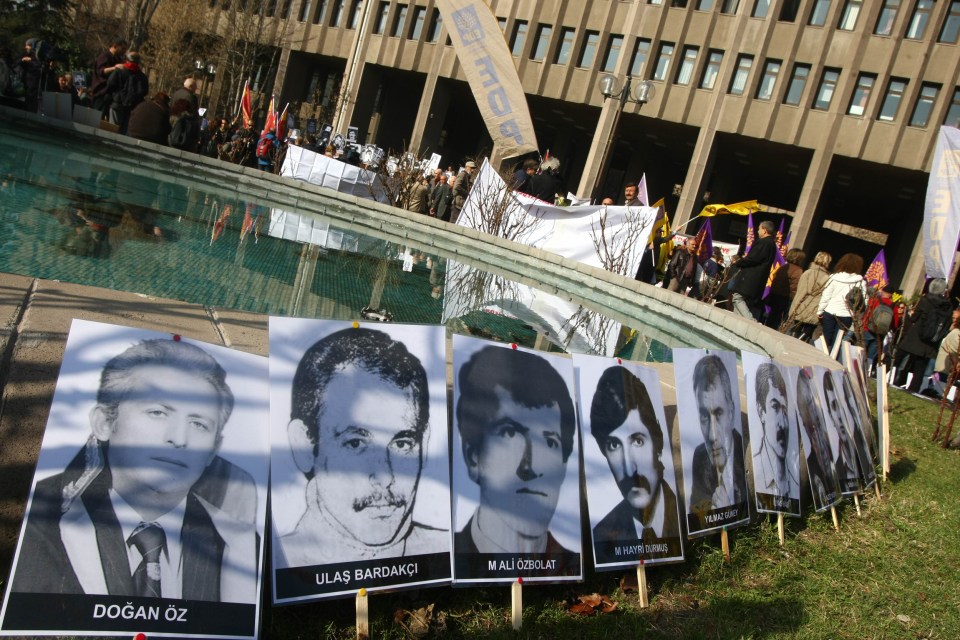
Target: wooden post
[
  {"x": 876, "y": 486},
  {"x": 856, "y": 501},
  {"x": 363, "y": 615},
  {"x": 780, "y": 532},
  {"x": 725, "y": 545},
  {"x": 516, "y": 603},
  {"x": 836, "y": 519},
  {"x": 883, "y": 416},
  {"x": 642, "y": 585}
]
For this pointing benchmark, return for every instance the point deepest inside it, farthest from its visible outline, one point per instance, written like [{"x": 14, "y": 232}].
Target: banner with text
[{"x": 941, "y": 213}]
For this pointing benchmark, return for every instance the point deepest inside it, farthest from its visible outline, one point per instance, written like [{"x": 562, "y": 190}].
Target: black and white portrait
[
  {"x": 516, "y": 465},
  {"x": 841, "y": 438},
  {"x": 821, "y": 465},
  {"x": 711, "y": 439},
  {"x": 863, "y": 436},
  {"x": 151, "y": 483},
  {"x": 359, "y": 452},
  {"x": 628, "y": 463},
  {"x": 774, "y": 441}
]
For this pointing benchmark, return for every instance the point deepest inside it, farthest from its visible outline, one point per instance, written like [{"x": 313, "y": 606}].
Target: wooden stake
[
  {"x": 642, "y": 586},
  {"x": 780, "y": 533},
  {"x": 856, "y": 501},
  {"x": 363, "y": 615},
  {"x": 725, "y": 545},
  {"x": 516, "y": 603},
  {"x": 876, "y": 486},
  {"x": 836, "y": 519}
]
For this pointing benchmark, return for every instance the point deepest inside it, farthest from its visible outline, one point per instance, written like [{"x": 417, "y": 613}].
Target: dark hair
[
  {"x": 710, "y": 372},
  {"x": 530, "y": 163},
  {"x": 618, "y": 393},
  {"x": 807, "y": 403},
  {"x": 115, "y": 376},
  {"x": 529, "y": 379},
  {"x": 849, "y": 263},
  {"x": 796, "y": 256},
  {"x": 371, "y": 350},
  {"x": 828, "y": 383},
  {"x": 768, "y": 374}
]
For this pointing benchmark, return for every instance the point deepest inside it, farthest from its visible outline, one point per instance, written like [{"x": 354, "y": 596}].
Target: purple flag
[
  {"x": 751, "y": 234},
  {"x": 704, "y": 242},
  {"x": 876, "y": 275}
]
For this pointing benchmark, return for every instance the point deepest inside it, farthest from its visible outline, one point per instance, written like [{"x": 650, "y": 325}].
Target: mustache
[
  {"x": 379, "y": 499},
  {"x": 636, "y": 481}
]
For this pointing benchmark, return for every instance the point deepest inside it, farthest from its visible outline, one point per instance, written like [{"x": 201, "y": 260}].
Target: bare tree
[{"x": 143, "y": 11}]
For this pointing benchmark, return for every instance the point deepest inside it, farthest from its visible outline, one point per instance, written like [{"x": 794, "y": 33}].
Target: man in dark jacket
[
  {"x": 754, "y": 269},
  {"x": 150, "y": 120},
  {"x": 928, "y": 324},
  {"x": 128, "y": 87},
  {"x": 441, "y": 198},
  {"x": 106, "y": 63}
]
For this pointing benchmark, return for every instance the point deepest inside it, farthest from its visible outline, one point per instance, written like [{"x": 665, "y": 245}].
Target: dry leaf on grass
[
  {"x": 629, "y": 583},
  {"x": 418, "y": 623},
  {"x": 591, "y": 604}
]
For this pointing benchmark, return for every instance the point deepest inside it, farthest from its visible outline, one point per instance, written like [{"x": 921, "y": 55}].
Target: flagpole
[{"x": 676, "y": 229}]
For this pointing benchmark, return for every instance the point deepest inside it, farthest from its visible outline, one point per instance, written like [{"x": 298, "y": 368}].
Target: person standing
[
  {"x": 803, "y": 308},
  {"x": 461, "y": 189},
  {"x": 150, "y": 120},
  {"x": 784, "y": 287},
  {"x": 105, "y": 64},
  {"x": 128, "y": 87},
  {"x": 441, "y": 197},
  {"x": 753, "y": 271},
  {"x": 834, "y": 308},
  {"x": 929, "y": 324}
]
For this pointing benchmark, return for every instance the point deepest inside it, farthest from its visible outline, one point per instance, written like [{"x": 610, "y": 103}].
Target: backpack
[
  {"x": 933, "y": 327},
  {"x": 134, "y": 90},
  {"x": 880, "y": 320},
  {"x": 854, "y": 298},
  {"x": 265, "y": 148},
  {"x": 182, "y": 132}
]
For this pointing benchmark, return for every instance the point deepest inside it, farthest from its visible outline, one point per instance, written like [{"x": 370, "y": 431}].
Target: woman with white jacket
[{"x": 834, "y": 311}]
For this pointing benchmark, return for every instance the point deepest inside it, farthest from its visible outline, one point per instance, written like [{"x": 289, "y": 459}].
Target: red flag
[
  {"x": 220, "y": 223},
  {"x": 704, "y": 243},
  {"x": 246, "y": 110},
  {"x": 270, "y": 126},
  {"x": 282, "y": 124}
]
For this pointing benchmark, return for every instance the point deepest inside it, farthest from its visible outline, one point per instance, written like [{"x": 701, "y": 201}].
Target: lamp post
[
  {"x": 206, "y": 71},
  {"x": 609, "y": 87}
]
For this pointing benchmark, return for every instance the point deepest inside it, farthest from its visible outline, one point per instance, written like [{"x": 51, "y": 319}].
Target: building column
[
  {"x": 701, "y": 165},
  {"x": 353, "y": 73},
  {"x": 810, "y": 194},
  {"x": 424, "y": 112},
  {"x": 609, "y": 115}
]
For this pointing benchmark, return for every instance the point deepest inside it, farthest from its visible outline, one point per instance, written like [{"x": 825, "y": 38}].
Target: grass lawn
[{"x": 893, "y": 572}]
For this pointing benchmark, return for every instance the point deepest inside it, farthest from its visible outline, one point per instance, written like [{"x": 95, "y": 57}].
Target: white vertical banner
[
  {"x": 488, "y": 65},
  {"x": 941, "y": 211}
]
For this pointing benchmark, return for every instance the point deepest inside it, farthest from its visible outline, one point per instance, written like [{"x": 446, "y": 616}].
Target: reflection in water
[{"x": 88, "y": 215}]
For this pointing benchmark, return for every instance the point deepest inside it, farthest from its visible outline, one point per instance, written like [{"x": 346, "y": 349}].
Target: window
[
  {"x": 654, "y": 1},
  {"x": 612, "y": 56},
  {"x": 789, "y": 10},
  {"x": 818, "y": 16},
  {"x": 828, "y": 85},
  {"x": 543, "y": 39},
  {"x": 687, "y": 64},
  {"x": 888, "y": 14},
  {"x": 769, "y": 80},
  {"x": 892, "y": 99},
  {"x": 318, "y": 13},
  {"x": 924, "y": 106},
  {"x": 738, "y": 84},
  {"x": 704, "y": 5},
  {"x": 381, "y": 24},
  {"x": 848, "y": 19},
  {"x": 951, "y": 26},
  {"x": 304, "y": 11},
  {"x": 436, "y": 22},
  {"x": 639, "y": 60},
  {"x": 398, "y": 19},
  {"x": 567, "y": 36},
  {"x": 502, "y": 23},
  {"x": 287, "y": 9},
  {"x": 419, "y": 16},
  {"x": 729, "y": 6},
  {"x": 337, "y": 13},
  {"x": 588, "y": 52},
  {"x": 518, "y": 37},
  {"x": 920, "y": 19},
  {"x": 798, "y": 82},
  {"x": 953, "y": 115},
  {"x": 861, "y": 94},
  {"x": 711, "y": 70},
  {"x": 760, "y": 8},
  {"x": 355, "y": 14},
  {"x": 663, "y": 61}
]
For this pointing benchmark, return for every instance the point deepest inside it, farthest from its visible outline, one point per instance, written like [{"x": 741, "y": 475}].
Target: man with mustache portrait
[
  {"x": 776, "y": 478},
  {"x": 625, "y": 426},
  {"x": 359, "y": 413}
]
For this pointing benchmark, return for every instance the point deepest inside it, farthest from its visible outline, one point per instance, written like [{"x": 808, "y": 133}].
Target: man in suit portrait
[
  {"x": 148, "y": 508},
  {"x": 517, "y": 424},
  {"x": 718, "y": 475},
  {"x": 775, "y": 477},
  {"x": 820, "y": 464},
  {"x": 846, "y": 460},
  {"x": 360, "y": 408},
  {"x": 625, "y": 426}
]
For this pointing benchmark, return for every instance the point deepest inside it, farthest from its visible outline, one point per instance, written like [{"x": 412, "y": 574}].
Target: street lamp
[
  {"x": 206, "y": 71},
  {"x": 609, "y": 87}
]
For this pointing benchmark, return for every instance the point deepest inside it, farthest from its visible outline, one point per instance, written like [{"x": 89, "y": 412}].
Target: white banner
[
  {"x": 325, "y": 171},
  {"x": 941, "y": 213},
  {"x": 488, "y": 65}
]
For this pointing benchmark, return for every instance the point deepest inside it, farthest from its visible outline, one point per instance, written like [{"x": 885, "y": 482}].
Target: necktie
[
  {"x": 648, "y": 536},
  {"x": 149, "y": 540}
]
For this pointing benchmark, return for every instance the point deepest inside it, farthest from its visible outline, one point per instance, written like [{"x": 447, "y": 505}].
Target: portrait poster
[
  {"x": 854, "y": 422},
  {"x": 821, "y": 468},
  {"x": 854, "y": 359},
  {"x": 359, "y": 482},
  {"x": 516, "y": 465},
  {"x": 711, "y": 439},
  {"x": 628, "y": 464},
  {"x": 774, "y": 440},
  {"x": 844, "y": 452},
  {"x": 148, "y": 506}
]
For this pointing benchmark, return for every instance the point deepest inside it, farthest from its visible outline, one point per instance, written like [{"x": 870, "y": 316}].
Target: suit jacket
[
  {"x": 705, "y": 476},
  {"x": 47, "y": 565},
  {"x": 463, "y": 542},
  {"x": 755, "y": 269},
  {"x": 619, "y": 523}
]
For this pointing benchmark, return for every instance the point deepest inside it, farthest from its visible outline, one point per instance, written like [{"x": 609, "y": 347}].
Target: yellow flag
[{"x": 738, "y": 209}]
